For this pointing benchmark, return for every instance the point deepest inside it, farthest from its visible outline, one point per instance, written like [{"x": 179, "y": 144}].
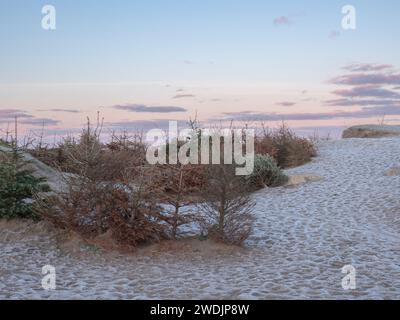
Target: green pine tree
[{"x": 18, "y": 186}]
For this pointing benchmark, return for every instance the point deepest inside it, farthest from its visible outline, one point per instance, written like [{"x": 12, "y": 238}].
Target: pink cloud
[
  {"x": 283, "y": 20},
  {"x": 363, "y": 78},
  {"x": 334, "y": 34},
  {"x": 286, "y": 104},
  {"x": 274, "y": 116},
  {"x": 367, "y": 91},
  {"x": 364, "y": 67}
]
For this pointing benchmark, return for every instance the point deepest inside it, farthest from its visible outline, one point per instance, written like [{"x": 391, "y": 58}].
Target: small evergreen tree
[
  {"x": 227, "y": 207},
  {"x": 18, "y": 186}
]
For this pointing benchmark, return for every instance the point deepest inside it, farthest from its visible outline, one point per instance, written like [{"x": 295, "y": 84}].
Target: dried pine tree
[
  {"x": 181, "y": 184},
  {"x": 227, "y": 206}
]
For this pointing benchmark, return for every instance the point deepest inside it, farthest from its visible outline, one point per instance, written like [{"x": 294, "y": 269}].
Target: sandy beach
[{"x": 302, "y": 238}]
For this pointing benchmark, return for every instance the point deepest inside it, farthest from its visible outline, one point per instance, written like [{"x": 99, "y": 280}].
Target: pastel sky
[{"x": 141, "y": 63}]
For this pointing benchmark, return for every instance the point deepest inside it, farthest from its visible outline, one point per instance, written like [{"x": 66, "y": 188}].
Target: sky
[{"x": 141, "y": 63}]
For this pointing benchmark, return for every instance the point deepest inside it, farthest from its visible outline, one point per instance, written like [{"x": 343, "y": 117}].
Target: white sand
[{"x": 303, "y": 236}]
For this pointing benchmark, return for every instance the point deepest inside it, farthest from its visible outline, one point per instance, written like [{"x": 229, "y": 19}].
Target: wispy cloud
[
  {"x": 367, "y": 91},
  {"x": 334, "y": 34},
  {"x": 183, "y": 96},
  {"x": 367, "y": 80},
  {"x": 141, "y": 108},
  {"x": 286, "y": 104},
  {"x": 365, "y": 67},
  {"x": 364, "y": 103},
  {"x": 273, "y": 116},
  {"x": 12, "y": 113},
  {"x": 8, "y": 115},
  {"x": 53, "y": 132},
  {"x": 282, "y": 21},
  {"x": 143, "y": 124},
  {"x": 59, "y": 110},
  {"x": 40, "y": 122},
  {"x": 364, "y": 79}
]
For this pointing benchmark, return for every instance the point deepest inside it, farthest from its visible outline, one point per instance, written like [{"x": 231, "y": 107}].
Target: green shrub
[
  {"x": 17, "y": 187},
  {"x": 266, "y": 173}
]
